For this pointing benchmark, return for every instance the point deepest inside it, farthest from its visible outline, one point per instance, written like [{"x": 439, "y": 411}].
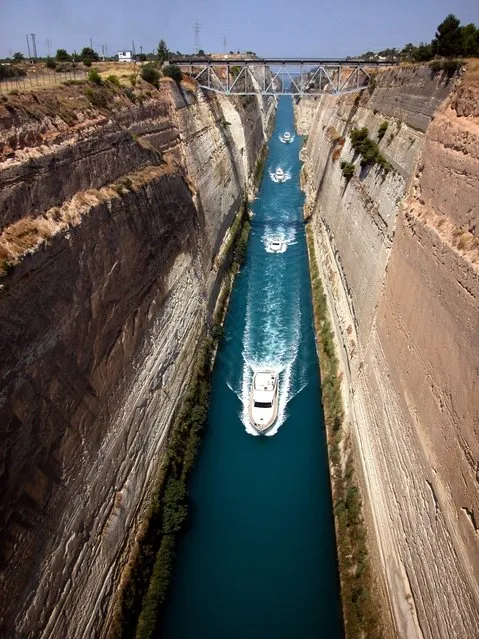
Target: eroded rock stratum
[
  {"x": 400, "y": 260},
  {"x": 111, "y": 219}
]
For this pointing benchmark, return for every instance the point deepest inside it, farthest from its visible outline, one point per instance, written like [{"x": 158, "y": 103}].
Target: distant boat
[
  {"x": 279, "y": 175},
  {"x": 286, "y": 138},
  {"x": 263, "y": 406},
  {"x": 276, "y": 245}
]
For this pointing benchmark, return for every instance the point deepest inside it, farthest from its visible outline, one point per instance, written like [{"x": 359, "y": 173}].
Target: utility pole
[
  {"x": 28, "y": 46},
  {"x": 197, "y": 36},
  {"x": 34, "y": 46},
  {"x": 103, "y": 52},
  {"x": 48, "y": 44},
  {"x": 91, "y": 43}
]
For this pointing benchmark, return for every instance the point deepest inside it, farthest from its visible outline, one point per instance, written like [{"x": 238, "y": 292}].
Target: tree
[
  {"x": 50, "y": 63},
  {"x": 88, "y": 55},
  {"x": 470, "y": 40},
  {"x": 448, "y": 37},
  {"x": 201, "y": 52},
  {"x": 62, "y": 56},
  {"x": 173, "y": 71},
  {"x": 162, "y": 52},
  {"x": 141, "y": 57},
  {"x": 18, "y": 57}
]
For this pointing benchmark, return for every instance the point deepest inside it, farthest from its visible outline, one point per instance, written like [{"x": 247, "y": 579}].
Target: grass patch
[
  {"x": 146, "y": 580},
  {"x": 359, "y": 607}
]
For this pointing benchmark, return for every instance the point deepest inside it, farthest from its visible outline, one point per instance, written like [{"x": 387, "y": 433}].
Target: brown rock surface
[
  {"x": 107, "y": 244},
  {"x": 400, "y": 260}
]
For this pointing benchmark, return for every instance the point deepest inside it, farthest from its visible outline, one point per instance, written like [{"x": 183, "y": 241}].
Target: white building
[{"x": 125, "y": 56}]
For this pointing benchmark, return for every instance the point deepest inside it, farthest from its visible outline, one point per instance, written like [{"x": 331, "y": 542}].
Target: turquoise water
[{"x": 258, "y": 559}]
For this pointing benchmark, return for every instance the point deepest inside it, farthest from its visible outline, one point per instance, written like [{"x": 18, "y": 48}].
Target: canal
[{"x": 258, "y": 559}]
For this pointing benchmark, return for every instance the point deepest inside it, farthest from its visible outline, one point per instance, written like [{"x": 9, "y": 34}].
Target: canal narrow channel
[{"x": 258, "y": 559}]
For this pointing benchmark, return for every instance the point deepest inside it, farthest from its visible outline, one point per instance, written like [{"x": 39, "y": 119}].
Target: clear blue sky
[{"x": 268, "y": 27}]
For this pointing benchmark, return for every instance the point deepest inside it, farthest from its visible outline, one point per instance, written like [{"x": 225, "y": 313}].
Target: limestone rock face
[
  {"x": 400, "y": 258},
  {"x": 111, "y": 218}
]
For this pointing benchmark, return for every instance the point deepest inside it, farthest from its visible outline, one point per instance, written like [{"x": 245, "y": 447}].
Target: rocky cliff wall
[
  {"x": 114, "y": 205},
  {"x": 400, "y": 260}
]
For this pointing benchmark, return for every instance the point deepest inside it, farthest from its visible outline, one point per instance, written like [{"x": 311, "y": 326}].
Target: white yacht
[
  {"x": 279, "y": 175},
  {"x": 263, "y": 404},
  {"x": 276, "y": 245},
  {"x": 286, "y": 138}
]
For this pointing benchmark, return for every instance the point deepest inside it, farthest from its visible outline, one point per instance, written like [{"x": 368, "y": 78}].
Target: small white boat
[
  {"x": 286, "y": 138},
  {"x": 279, "y": 175},
  {"x": 276, "y": 245},
  {"x": 263, "y": 405}
]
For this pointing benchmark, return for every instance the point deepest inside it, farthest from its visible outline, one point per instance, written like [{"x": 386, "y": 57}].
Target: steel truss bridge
[{"x": 279, "y": 76}]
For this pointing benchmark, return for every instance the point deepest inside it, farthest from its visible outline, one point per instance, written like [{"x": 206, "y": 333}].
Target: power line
[
  {"x": 28, "y": 46},
  {"x": 197, "y": 36},
  {"x": 34, "y": 46}
]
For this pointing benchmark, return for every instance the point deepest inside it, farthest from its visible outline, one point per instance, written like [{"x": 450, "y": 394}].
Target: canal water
[{"x": 258, "y": 559}]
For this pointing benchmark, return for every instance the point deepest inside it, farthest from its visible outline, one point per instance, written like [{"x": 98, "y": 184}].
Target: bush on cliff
[
  {"x": 368, "y": 149},
  {"x": 173, "y": 71},
  {"x": 347, "y": 169},
  {"x": 94, "y": 77},
  {"x": 151, "y": 75}
]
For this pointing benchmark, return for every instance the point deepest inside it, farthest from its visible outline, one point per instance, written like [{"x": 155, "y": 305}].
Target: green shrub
[
  {"x": 347, "y": 169},
  {"x": 132, "y": 79},
  {"x": 10, "y": 71},
  {"x": 150, "y": 74},
  {"x": 50, "y": 63},
  {"x": 114, "y": 79},
  {"x": 383, "y": 127},
  {"x": 95, "y": 77},
  {"x": 173, "y": 71},
  {"x": 368, "y": 149},
  {"x": 98, "y": 97}
]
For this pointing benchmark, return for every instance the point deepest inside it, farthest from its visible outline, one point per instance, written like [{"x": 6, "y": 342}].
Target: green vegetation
[
  {"x": 162, "y": 52},
  {"x": 88, "y": 55},
  {"x": 449, "y": 66},
  {"x": 7, "y": 71},
  {"x": 360, "y": 608},
  {"x": 173, "y": 71},
  {"x": 347, "y": 169},
  {"x": 62, "y": 56},
  {"x": 383, "y": 127},
  {"x": 150, "y": 569},
  {"x": 18, "y": 57},
  {"x": 97, "y": 96},
  {"x": 451, "y": 40},
  {"x": 368, "y": 149},
  {"x": 94, "y": 77},
  {"x": 114, "y": 79},
  {"x": 50, "y": 63},
  {"x": 149, "y": 74}
]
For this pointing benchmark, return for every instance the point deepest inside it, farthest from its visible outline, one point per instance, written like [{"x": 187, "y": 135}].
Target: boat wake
[
  {"x": 286, "y": 141},
  {"x": 286, "y": 176}
]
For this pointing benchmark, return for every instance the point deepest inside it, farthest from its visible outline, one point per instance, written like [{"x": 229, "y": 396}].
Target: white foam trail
[
  {"x": 291, "y": 139},
  {"x": 287, "y": 176}
]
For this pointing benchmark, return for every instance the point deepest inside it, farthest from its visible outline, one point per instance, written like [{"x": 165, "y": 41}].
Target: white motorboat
[
  {"x": 286, "y": 138},
  {"x": 263, "y": 405},
  {"x": 276, "y": 245},
  {"x": 279, "y": 175}
]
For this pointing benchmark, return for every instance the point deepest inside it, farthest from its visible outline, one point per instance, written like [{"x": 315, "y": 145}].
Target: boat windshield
[{"x": 263, "y": 404}]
